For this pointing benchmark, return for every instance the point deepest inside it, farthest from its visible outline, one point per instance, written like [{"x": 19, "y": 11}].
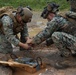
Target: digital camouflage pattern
[
  {"x": 9, "y": 38},
  {"x": 54, "y": 25},
  {"x": 66, "y": 33},
  {"x": 64, "y": 25},
  {"x": 71, "y": 14},
  {"x": 66, "y": 43}
]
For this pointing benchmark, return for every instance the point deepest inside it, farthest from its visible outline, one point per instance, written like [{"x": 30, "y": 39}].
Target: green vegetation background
[{"x": 34, "y": 4}]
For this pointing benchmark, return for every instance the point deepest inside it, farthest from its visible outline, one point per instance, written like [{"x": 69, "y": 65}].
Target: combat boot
[
  {"x": 67, "y": 60},
  {"x": 66, "y": 53}
]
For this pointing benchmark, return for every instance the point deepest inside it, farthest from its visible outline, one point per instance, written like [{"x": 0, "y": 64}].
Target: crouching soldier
[
  {"x": 12, "y": 23},
  {"x": 61, "y": 29}
]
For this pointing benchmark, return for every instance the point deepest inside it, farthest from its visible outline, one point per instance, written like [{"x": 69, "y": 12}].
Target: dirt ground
[{"x": 49, "y": 55}]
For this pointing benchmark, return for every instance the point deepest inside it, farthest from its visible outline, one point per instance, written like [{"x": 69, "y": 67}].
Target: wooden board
[{"x": 26, "y": 67}]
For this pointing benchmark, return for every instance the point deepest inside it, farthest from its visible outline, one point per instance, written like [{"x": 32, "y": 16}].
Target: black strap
[{"x": 39, "y": 60}]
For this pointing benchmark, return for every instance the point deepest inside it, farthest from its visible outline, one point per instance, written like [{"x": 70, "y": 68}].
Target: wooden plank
[{"x": 26, "y": 67}]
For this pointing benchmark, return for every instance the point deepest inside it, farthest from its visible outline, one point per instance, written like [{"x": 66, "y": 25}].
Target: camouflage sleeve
[
  {"x": 52, "y": 26},
  {"x": 25, "y": 31},
  {"x": 8, "y": 30}
]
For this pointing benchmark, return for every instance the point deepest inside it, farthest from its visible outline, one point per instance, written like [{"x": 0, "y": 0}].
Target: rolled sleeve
[{"x": 52, "y": 26}]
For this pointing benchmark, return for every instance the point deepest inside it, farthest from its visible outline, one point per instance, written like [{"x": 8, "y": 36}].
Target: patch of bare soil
[{"x": 50, "y": 55}]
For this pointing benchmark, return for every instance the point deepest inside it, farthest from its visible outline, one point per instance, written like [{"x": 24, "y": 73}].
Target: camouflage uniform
[
  {"x": 62, "y": 32},
  {"x": 52, "y": 26},
  {"x": 8, "y": 38}
]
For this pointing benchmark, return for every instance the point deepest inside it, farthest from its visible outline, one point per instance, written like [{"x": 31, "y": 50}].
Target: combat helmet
[
  {"x": 73, "y": 5},
  {"x": 51, "y": 7},
  {"x": 25, "y": 13}
]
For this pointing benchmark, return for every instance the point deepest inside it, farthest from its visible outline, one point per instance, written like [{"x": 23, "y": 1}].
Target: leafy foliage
[{"x": 34, "y": 4}]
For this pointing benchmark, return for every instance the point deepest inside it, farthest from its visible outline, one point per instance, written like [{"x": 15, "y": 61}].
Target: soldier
[
  {"x": 11, "y": 23},
  {"x": 61, "y": 29}
]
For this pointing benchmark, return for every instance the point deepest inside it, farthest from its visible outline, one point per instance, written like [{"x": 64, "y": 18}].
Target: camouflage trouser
[
  {"x": 4, "y": 70},
  {"x": 66, "y": 43}
]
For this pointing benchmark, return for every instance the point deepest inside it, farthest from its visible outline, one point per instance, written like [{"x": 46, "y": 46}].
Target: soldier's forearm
[{"x": 23, "y": 45}]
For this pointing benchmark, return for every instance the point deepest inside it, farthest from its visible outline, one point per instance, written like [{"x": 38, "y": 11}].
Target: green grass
[{"x": 34, "y": 4}]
